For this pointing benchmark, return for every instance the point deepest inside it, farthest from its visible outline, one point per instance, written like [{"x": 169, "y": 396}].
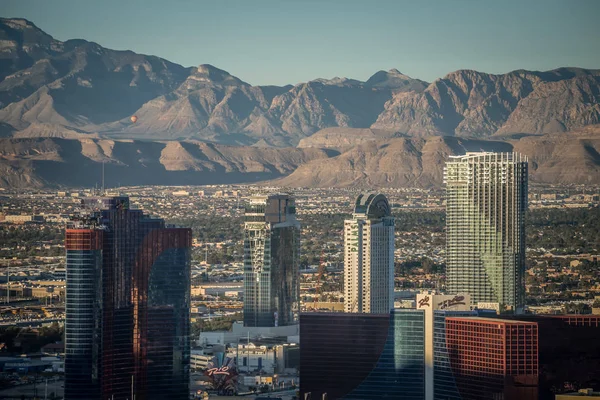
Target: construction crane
[{"x": 319, "y": 276}]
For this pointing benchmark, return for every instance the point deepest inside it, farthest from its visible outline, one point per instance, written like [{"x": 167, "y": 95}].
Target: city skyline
[{"x": 219, "y": 285}]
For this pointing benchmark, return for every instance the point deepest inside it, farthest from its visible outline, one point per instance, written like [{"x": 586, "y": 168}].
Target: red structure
[
  {"x": 83, "y": 239},
  {"x": 493, "y": 358}
]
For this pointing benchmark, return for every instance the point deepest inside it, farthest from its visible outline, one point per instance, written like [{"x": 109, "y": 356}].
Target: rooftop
[{"x": 492, "y": 320}]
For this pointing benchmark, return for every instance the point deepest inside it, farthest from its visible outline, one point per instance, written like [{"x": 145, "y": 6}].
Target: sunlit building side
[
  {"x": 369, "y": 256},
  {"x": 485, "y": 220}
]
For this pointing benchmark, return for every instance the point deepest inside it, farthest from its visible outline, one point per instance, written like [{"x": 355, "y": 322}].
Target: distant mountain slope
[
  {"x": 389, "y": 162},
  {"x": 474, "y": 104},
  {"x": 66, "y": 106},
  {"x": 344, "y": 138},
  {"x": 83, "y": 87},
  {"x": 38, "y": 162},
  {"x": 418, "y": 162}
]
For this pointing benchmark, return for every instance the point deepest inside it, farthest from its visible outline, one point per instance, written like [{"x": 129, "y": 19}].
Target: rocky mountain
[
  {"x": 344, "y": 138},
  {"x": 418, "y": 162},
  {"x": 65, "y": 109},
  {"x": 474, "y": 104},
  {"x": 39, "y": 162},
  {"x": 48, "y": 86},
  {"x": 54, "y": 88},
  {"x": 572, "y": 158}
]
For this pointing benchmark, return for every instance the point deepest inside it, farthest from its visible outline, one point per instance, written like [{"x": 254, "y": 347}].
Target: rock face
[
  {"x": 572, "y": 158},
  {"x": 38, "y": 162},
  {"x": 343, "y": 138},
  {"x": 65, "y": 108},
  {"x": 473, "y": 104},
  {"x": 54, "y": 88}
]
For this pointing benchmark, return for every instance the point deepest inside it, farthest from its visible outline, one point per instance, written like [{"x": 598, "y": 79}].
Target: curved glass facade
[{"x": 363, "y": 356}]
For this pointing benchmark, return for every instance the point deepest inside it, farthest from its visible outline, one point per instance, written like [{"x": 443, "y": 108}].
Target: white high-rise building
[
  {"x": 369, "y": 256},
  {"x": 486, "y": 195}
]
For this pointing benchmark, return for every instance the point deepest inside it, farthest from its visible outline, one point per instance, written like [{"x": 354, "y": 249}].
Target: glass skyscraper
[
  {"x": 130, "y": 275},
  {"x": 83, "y": 312},
  {"x": 271, "y": 261},
  {"x": 369, "y": 256},
  {"x": 485, "y": 211},
  {"x": 363, "y": 356}
]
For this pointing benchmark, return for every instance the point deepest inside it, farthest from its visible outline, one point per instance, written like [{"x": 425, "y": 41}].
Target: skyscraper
[
  {"x": 485, "y": 211},
  {"x": 363, "y": 356},
  {"x": 127, "y": 302},
  {"x": 271, "y": 261},
  {"x": 369, "y": 256}
]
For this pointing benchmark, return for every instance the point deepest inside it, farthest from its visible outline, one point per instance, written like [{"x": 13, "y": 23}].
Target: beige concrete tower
[{"x": 369, "y": 256}]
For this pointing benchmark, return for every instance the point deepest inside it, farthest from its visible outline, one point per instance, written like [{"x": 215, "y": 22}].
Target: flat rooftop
[{"x": 492, "y": 320}]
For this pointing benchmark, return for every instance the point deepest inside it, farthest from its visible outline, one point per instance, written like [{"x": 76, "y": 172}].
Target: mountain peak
[
  {"x": 394, "y": 79},
  {"x": 209, "y": 73},
  {"x": 337, "y": 81},
  {"x": 18, "y": 23}
]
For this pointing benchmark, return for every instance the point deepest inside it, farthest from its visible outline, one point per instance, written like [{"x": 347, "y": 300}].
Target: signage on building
[
  {"x": 218, "y": 371},
  {"x": 424, "y": 302},
  {"x": 443, "y": 302},
  {"x": 456, "y": 300},
  {"x": 353, "y": 238}
]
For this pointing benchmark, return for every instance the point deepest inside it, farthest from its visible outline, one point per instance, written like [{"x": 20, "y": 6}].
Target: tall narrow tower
[
  {"x": 485, "y": 211},
  {"x": 369, "y": 256},
  {"x": 271, "y": 261}
]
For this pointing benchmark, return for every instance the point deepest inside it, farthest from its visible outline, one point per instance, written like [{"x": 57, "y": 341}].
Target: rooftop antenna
[{"x": 103, "y": 192}]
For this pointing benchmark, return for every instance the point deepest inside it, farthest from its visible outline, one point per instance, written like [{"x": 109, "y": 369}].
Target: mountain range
[{"x": 69, "y": 103}]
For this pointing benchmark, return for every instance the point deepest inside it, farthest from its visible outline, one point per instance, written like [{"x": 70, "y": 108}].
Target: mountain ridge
[
  {"x": 66, "y": 107},
  {"x": 81, "y": 86}
]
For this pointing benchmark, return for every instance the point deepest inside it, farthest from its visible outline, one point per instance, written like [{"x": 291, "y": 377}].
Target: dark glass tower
[
  {"x": 140, "y": 300},
  {"x": 271, "y": 261},
  {"x": 82, "y": 327},
  {"x": 363, "y": 355}
]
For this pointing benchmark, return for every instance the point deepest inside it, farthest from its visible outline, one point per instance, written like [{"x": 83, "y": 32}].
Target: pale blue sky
[{"x": 280, "y": 42}]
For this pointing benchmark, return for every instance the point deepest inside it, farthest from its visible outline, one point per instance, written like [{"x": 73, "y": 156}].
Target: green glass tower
[{"x": 486, "y": 201}]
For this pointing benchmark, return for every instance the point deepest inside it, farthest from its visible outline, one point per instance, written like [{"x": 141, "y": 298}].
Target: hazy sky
[{"x": 280, "y": 42}]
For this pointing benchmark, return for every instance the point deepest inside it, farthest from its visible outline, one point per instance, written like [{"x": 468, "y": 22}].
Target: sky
[{"x": 281, "y": 42}]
